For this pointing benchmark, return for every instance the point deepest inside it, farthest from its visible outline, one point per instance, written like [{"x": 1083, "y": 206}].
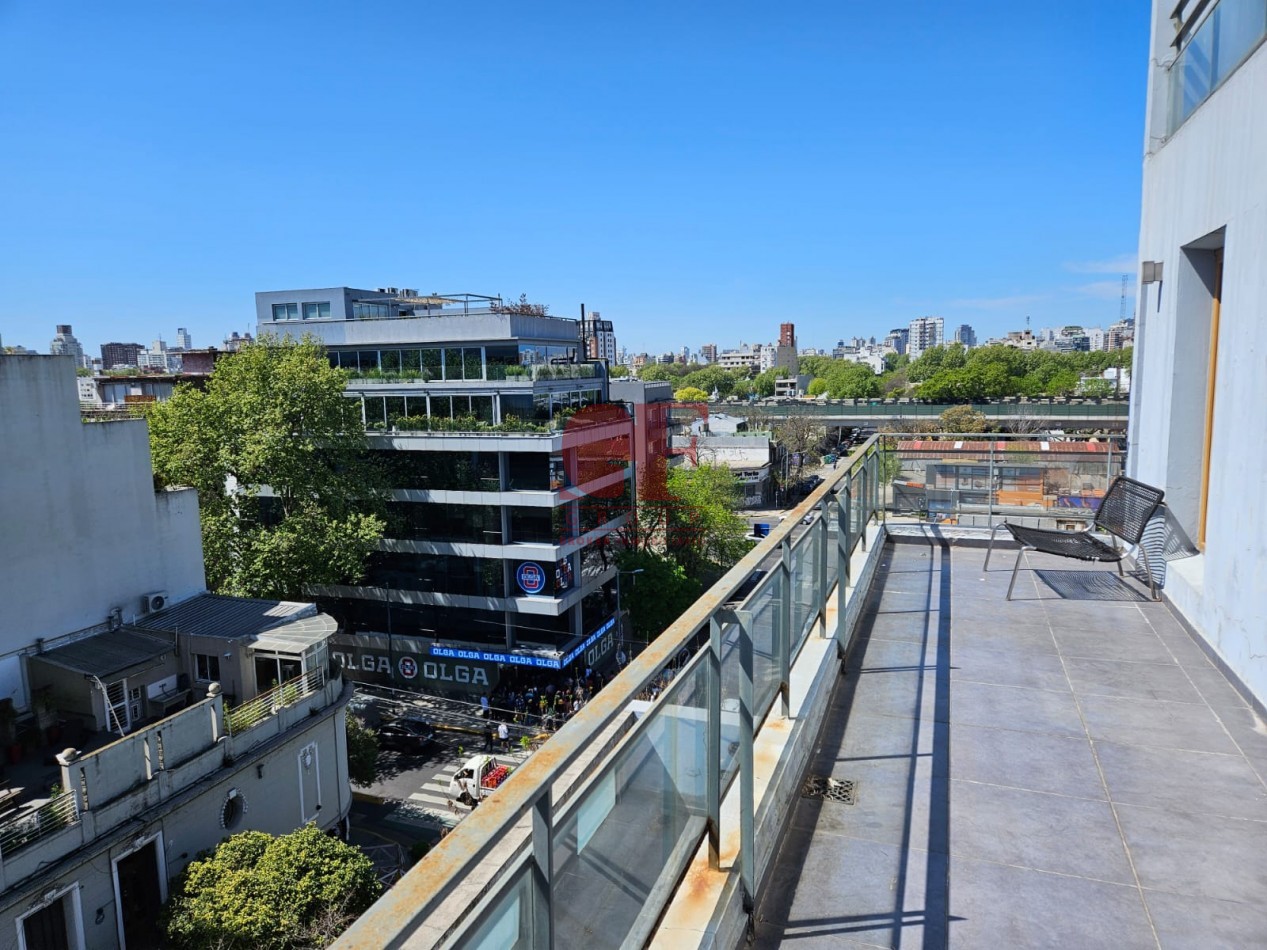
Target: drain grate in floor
[{"x": 830, "y": 789}]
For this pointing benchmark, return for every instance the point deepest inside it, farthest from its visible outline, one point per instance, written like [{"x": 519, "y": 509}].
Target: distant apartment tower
[
  {"x": 65, "y": 344},
  {"x": 966, "y": 335},
  {"x": 785, "y": 355},
  {"x": 120, "y": 354},
  {"x": 185, "y": 342},
  {"x": 235, "y": 342},
  {"x": 600, "y": 338},
  {"x": 925, "y": 333},
  {"x": 1073, "y": 339},
  {"x": 708, "y": 352},
  {"x": 897, "y": 340},
  {"x": 1120, "y": 335}
]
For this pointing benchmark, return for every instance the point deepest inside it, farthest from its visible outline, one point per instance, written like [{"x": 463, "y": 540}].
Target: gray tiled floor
[{"x": 1064, "y": 770}]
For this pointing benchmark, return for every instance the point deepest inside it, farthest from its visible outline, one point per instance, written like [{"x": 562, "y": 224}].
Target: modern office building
[
  {"x": 1198, "y": 379},
  {"x": 114, "y": 355},
  {"x": 143, "y": 719},
  {"x": 965, "y": 335},
  {"x": 924, "y": 333},
  {"x": 510, "y": 474}
]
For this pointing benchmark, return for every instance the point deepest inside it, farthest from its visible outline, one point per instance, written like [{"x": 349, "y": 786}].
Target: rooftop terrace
[{"x": 1066, "y": 769}]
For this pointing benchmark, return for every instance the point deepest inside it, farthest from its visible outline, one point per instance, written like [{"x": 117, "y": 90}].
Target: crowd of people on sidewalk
[{"x": 538, "y": 701}]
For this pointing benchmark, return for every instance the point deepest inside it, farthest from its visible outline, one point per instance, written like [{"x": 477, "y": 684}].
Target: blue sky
[{"x": 698, "y": 172}]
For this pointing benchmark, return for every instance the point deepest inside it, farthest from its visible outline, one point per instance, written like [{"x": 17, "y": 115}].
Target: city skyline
[{"x": 660, "y": 165}]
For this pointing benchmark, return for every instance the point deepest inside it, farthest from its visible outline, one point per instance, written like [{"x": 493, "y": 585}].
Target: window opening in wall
[
  {"x": 117, "y": 707},
  {"x": 58, "y": 925},
  {"x": 206, "y": 668},
  {"x": 1211, "y": 379}
]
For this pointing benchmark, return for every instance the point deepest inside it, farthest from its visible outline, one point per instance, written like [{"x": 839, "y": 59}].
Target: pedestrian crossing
[
  {"x": 431, "y": 805},
  {"x": 432, "y": 800}
]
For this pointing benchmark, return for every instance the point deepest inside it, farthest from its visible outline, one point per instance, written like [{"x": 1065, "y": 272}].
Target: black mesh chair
[{"x": 1124, "y": 513}]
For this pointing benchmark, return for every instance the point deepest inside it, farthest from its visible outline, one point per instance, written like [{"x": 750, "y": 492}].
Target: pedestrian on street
[
  {"x": 503, "y": 734},
  {"x": 488, "y": 738}
]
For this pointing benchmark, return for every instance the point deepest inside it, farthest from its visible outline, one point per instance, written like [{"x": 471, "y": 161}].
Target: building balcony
[
  {"x": 855, "y": 739},
  {"x": 64, "y": 803}
]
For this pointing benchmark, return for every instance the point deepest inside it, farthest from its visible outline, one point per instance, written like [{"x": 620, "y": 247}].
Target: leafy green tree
[
  {"x": 963, "y": 419},
  {"x": 690, "y": 394},
  {"x": 847, "y": 379},
  {"x": 275, "y": 451},
  {"x": 362, "y": 752},
  {"x": 800, "y": 435},
  {"x": 701, "y": 530},
  {"x": 817, "y": 387},
  {"x": 742, "y": 389},
  {"x": 264, "y": 893},
  {"x": 763, "y": 382},
  {"x": 658, "y": 595},
  {"x": 618, "y": 372},
  {"x": 656, "y": 373}
]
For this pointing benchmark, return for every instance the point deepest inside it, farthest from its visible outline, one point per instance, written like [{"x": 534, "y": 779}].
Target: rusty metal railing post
[
  {"x": 842, "y": 562},
  {"x": 783, "y": 629},
  {"x": 747, "y": 783},
  {"x": 712, "y": 742},
  {"x": 543, "y": 869},
  {"x": 823, "y": 545}
]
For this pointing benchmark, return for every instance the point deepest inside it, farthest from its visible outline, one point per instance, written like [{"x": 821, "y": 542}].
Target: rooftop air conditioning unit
[
  {"x": 391, "y": 290},
  {"x": 153, "y": 602}
]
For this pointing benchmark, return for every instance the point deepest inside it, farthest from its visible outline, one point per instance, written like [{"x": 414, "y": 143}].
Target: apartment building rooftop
[{"x": 1065, "y": 769}]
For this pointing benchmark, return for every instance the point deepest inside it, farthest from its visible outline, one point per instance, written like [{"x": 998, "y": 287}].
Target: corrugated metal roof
[
  {"x": 106, "y": 654},
  {"x": 211, "y": 615},
  {"x": 296, "y": 636}
]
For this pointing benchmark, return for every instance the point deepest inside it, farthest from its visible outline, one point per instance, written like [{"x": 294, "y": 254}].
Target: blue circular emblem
[
  {"x": 408, "y": 667},
  {"x": 531, "y": 578}
]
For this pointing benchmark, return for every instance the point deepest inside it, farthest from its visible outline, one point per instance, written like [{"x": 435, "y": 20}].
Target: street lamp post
[{"x": 620, "y": 620}]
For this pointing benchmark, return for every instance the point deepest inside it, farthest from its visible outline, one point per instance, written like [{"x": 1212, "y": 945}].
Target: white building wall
[
  {"x": 1210, "y": 176},
  {"x": 84, "y": 530}
]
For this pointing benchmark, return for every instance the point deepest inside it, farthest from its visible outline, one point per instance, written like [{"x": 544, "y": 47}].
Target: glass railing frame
[{"x": 417, "y": 896}]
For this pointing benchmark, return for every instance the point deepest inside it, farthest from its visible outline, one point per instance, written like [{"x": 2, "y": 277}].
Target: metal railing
[
  {"x": 255, "y": 711},
  {"x": 22, "y": 830},
  {"x": 976, "y": 480},
  {"x": 1051, "y": 411},
  {"x": 597, "y": 866}
]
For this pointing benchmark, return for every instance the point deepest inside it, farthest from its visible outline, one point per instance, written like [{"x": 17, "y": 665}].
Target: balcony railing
[
  {"x": 976, "y": 479},
  {"x": 25, "y": 829},
  {"x": 506, "y": 875},
  {"x": 255, "y": 711}
]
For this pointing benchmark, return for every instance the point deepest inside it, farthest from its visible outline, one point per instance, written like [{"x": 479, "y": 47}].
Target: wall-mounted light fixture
[{"x": 1150, "y": 272}]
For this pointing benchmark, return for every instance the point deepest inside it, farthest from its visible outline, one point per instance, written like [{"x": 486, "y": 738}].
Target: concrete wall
[
  {"x": 84, "y": 530},
  {"x": 1206, "y": 186}
]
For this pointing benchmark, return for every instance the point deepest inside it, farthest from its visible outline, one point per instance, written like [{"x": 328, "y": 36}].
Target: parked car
[
  {"x": 406, "y": 734},
  {"x": 367, "y": 709}
]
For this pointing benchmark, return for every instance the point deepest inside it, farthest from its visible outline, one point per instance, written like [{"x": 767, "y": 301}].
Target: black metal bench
[{"x": 1124, "y": 513}]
